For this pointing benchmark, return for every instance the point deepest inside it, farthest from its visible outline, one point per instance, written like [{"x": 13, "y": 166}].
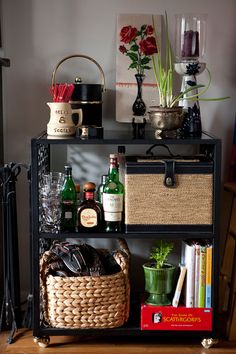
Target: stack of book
[{"x": 195, "y": 279}]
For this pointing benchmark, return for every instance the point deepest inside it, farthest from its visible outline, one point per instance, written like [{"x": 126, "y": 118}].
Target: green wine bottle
[
  {"x": 113, "y": 197},
  {"x": 68, "y": 203}
]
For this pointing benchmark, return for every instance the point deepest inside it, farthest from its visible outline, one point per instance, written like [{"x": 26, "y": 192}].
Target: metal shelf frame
[{"x": 40, "y": 163}]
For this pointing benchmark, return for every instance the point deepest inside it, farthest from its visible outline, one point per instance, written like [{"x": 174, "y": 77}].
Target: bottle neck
[
  {"x": 114, "y": 173},
  {"x": 68, "y": 175},
  {"x": 68, "y": 172},
  {"x": 88, "y": 195},
  {"x": 103, "y": 179}
]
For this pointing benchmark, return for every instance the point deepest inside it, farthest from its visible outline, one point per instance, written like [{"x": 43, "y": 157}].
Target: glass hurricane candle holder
[
  {"x": 190, "y": 50},
  {"x": 190, "y": 37}
]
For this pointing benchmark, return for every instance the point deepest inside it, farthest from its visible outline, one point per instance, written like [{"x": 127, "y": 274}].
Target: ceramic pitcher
[{"x": 61, "y": 123}]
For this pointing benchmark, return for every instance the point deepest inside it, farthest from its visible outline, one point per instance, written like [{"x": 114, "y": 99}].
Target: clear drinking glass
[{"x": 50, "y": 187}]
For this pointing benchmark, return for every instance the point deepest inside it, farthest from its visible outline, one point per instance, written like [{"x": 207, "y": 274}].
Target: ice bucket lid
[{"x": 86, "y": 92}]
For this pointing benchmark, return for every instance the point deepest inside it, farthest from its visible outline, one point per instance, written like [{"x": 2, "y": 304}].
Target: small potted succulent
[{"x": 159, "y": 275}]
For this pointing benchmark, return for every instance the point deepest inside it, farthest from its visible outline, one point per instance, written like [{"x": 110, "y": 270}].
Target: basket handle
[
  {"x": 124, "y": 247},
  {"x": 122, "y": 256},
  {"x": 79, "y": 56},
  {"x": 149, "y": 151}
]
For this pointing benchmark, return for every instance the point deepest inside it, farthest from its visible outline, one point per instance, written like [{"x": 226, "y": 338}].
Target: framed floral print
[{"x": 135, "y": 83}]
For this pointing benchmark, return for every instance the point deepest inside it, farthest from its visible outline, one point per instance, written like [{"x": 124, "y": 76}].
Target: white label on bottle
[
  {"x": 88, "y": 218},
  {"x": 112, "y": 216},
  {"x": 112, "y": 203},
  {"x": 68, "y": 215}
]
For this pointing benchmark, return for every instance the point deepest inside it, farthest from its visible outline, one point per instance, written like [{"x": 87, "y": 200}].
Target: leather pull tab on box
[{"x": 169, "y": 180}]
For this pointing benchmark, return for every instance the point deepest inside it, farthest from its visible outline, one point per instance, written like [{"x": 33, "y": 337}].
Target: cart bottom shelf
[{"x": 134, "y": 325}]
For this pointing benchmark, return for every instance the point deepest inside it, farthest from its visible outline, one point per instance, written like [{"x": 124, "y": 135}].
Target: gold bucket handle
[{"x": 79, "y": 56}]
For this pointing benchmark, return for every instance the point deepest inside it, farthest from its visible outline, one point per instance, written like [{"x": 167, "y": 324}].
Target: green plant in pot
[
  {"x": 168, "y": 116},
  {"x": 159, "y": 275}
]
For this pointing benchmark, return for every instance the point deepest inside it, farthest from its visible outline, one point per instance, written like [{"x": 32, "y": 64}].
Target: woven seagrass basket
[
  {"x": 151, "y": 205},
  {"x": 189, "y": 203},
  {"x": 86, "y": 301}
]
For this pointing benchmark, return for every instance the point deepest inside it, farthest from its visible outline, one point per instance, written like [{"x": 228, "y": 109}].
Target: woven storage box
[
  {"x": 87, "y": 301},
  {"x": 151, "y": 205}
]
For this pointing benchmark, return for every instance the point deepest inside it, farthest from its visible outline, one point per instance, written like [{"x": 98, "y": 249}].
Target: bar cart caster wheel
[
  {"x": 43, "y": 342},
  {"x": 209, "y": 342}
]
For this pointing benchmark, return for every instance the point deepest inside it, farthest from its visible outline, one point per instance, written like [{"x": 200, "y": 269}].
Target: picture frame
[{"x": 126, "y": 84}]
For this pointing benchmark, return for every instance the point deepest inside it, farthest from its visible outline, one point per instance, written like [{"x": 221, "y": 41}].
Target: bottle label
[
  {"x": 112, "y": 203},
  {"x": 68, "y": 215},
  {"x": 68, "y": 202},
  {"x": 88, "y": 218},
  {"x": 112, "y": 216}
]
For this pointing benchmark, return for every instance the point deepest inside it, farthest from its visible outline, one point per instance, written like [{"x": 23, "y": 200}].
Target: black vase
[{"x": 139, "y": 107}]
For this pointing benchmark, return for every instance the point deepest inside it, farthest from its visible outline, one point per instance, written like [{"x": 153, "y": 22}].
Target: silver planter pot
[{"x": 166, "y": 120}]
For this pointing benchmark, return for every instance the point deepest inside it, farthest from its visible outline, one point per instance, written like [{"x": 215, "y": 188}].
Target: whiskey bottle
[
  {"x": 68, "y": 198},
  {"x": 113, "y": 195},
  {"x": 121, "y": 163},
  {"x": 100, "y": 188},
  {"x": 89, "y": 213}
]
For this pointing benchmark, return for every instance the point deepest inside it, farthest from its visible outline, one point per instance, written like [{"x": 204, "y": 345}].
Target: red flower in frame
[
  {"x": 128, "y": 33},
  {"x": 139, "y": 46},
  {"x": 149, "y": 30},
  {"x": 122, "y": 49},
  {"x": 148, "y": 46}
]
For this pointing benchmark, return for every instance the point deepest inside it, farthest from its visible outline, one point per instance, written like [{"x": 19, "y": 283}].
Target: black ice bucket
[{"x": 88, "y": 97}]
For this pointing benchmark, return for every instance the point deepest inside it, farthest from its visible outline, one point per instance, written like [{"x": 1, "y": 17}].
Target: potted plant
[
  {"x": 159, "y": 275},
  {"x": 168, "y": 116}
]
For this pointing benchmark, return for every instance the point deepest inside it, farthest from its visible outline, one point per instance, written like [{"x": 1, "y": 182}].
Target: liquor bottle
[
  {"x": 89, "y": 215},
  {"x": 121, "y": 163},
  {"x": 77, "y": 188},
  {"x": 113, "y": 195},
  {"x": 100, "y": 188},
  {"x": 68, "y": 197}
]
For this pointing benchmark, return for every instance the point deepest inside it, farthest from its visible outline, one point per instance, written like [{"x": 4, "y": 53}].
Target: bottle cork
[
  {"x": 89, "y": 186},
  {"x": 77, "y": 187}
]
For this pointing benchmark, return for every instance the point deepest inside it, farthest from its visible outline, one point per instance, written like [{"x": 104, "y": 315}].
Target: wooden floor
[{"x": 24, "y": 344}]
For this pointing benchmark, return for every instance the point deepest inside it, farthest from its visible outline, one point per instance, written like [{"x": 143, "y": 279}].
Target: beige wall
[{"x": 37, "y": 34}]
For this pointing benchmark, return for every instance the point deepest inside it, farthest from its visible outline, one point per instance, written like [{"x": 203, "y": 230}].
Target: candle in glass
[
  {"x": 190, "y": 48},
  {"x": 190, "y": 36}
]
